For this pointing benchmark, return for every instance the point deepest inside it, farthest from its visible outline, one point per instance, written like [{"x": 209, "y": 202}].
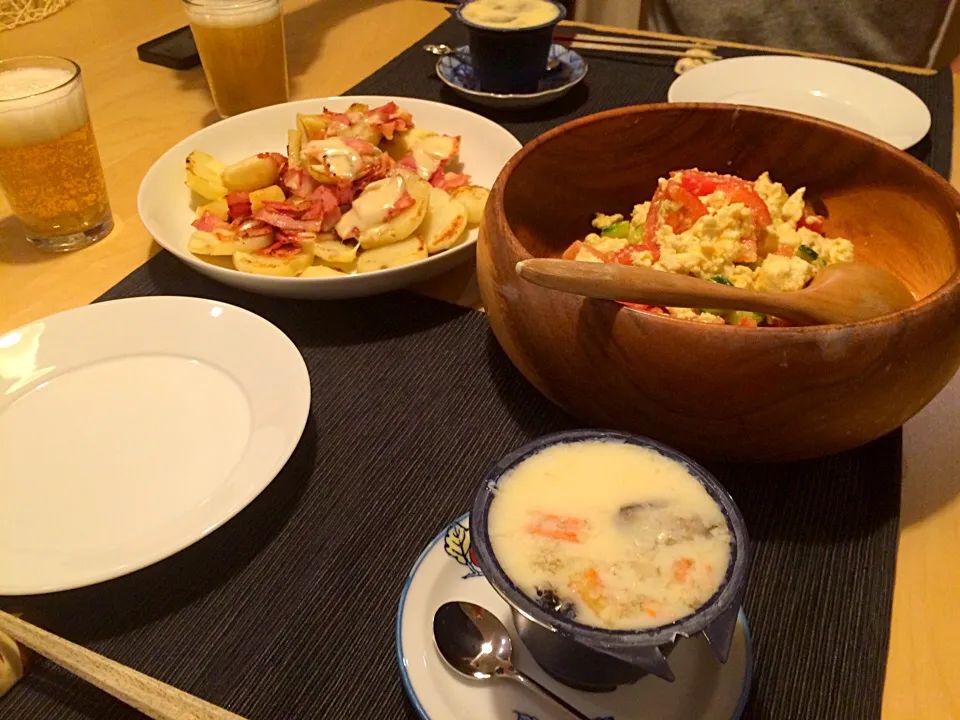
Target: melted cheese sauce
[
  {"x": 516, "y": 14},
  {"x": 372, "y": 206},
  {"x": 335, "y": 157},
  {"x": 432, "y": 152},
  {"x": 610, "y": 534}
]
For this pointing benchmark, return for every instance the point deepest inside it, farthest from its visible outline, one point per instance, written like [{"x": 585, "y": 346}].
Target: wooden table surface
[{"x": 140, "y": 110}]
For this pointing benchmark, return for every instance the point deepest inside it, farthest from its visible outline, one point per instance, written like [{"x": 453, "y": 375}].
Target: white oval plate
[
  {"x": 840, "y": 93},
  {"x": 445, "y": 571},
  {"x": 164, "y": 201},
  {"x": 131, "y": 429}
]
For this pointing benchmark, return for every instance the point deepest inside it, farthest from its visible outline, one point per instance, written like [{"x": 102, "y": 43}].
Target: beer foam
[
  {"x": 228, "y": 14},
  {"x": 27, "y": 117}
]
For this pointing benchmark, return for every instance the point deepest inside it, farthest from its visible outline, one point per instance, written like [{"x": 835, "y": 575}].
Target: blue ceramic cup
[{"x": 510, "y": 60}]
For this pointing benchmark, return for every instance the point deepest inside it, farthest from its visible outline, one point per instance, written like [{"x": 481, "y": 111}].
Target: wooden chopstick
[
  {"x": 577, "y": 45},
  {"x": 639, "y": 42}
]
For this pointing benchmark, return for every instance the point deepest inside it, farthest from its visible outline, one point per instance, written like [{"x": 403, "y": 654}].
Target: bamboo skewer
[
  {"x": 577, "y": 45},
  {"x": 639, "y": 42},
  {"x": 150, "y": 696}
]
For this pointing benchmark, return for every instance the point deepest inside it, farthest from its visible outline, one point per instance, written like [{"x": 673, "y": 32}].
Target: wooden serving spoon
[
  {"x": 841, "y": 293},
  {"x": 151, "y": 697}
]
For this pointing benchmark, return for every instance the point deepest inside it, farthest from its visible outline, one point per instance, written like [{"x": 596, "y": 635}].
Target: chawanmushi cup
[
  {"x": 596, "y": 659},
  {"x": 510, "y": 60}
]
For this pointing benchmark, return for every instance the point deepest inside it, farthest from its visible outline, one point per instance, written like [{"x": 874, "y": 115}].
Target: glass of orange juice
[{"x": 243, "y": 51}]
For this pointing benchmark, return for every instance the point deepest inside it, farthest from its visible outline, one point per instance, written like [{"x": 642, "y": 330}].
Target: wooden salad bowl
[{"x": 721, "y": 392}]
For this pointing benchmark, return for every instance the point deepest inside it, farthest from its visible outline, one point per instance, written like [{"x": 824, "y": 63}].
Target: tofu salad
[{"x": 751, "y": 235}]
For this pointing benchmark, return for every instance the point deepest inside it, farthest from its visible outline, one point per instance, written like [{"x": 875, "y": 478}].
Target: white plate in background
[
  {"x": 131, "y": 429},
  {"x": 840, "y": 93},
  {"x": 164, "y": 200}
]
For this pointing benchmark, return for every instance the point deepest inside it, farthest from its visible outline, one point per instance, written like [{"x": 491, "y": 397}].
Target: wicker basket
[{"x": 21, "y": 12}]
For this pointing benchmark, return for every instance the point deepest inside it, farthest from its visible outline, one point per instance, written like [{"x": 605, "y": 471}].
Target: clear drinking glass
[
  {"x": 243, "y": 52},
  {"x": 50, "y": 169}
]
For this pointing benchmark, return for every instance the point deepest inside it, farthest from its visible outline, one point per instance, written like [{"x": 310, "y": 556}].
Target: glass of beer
[
  {"x": 243, "y": 52},
  {"x": 50, "y": 169}
]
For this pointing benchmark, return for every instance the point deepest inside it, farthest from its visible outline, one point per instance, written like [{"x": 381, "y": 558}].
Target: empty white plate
[
  {"x": 840, "y": 93},
  {"x": 131, "y": 429}
]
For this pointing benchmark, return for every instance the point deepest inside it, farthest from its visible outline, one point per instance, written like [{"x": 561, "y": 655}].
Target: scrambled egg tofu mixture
[{"x": 751, "y": 235}]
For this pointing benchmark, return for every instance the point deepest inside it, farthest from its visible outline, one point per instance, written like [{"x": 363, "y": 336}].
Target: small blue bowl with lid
[
  {"x": 510, "y": 41},
  {"x": 597, "y": 659}
]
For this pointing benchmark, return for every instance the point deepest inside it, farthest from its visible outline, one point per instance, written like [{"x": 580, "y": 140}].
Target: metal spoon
[
  {"x": 474, "y": 643},
  {"x": 841, "y": 293},
  {"x": 552, "y": 63}
]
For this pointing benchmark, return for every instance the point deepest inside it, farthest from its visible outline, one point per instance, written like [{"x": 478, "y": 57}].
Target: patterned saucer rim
[
  {"x": 439, "y": 539},
  {"x": 549, "y": 92}
]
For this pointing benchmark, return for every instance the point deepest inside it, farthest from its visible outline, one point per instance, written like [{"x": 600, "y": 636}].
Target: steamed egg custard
[
  {"x": 751, "y": 235},
  {"x": 510, "y": 14},
  {"x": 609, "y": 534}
]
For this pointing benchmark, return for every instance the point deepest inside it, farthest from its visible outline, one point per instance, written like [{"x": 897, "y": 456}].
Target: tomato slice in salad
[
  {"x": 737, "y": 190},
  {"x": 685, "y": 209}
]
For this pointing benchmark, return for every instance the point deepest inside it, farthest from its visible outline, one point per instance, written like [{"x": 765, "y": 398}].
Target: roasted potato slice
[
  {"x": 274, "y": 193},
  {"x": 397, "y": 228},
  {"x": 404, "y": 142},
  {"x": 311, "y": 126},
  {"x": 389, "y": 256},
  {"x": 216, "y": 207},
  {"x": 204, "y": 175},
  {"x": 474, "y": 200},
  {"x": 294, "y": 143},
  {"x": 335, "y": 252},
  {"x": 252, "y": 173},
  {"x": 205, "y": 166},
  {"x": 259, "y": 264},
  {"x": 208, "y": 243},
  {"x": 444, "y": 223},
  {"x": 364, "y": 131},
  {"x": 322, "y": 271}
]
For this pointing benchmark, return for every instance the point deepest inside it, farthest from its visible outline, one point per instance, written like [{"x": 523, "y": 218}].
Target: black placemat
[{"x": 288, "y": 611}]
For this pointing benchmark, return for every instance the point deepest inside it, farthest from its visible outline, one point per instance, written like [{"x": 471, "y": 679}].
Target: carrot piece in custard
[{"x": 558, "y": 527}]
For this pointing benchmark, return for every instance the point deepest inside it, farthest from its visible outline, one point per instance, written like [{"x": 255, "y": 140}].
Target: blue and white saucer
[
  {"x": 445, "y": 571},
  {"x": 456, "y": 71}
]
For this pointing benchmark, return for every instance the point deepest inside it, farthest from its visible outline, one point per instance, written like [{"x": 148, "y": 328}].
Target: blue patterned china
[
  {"x": 457, "y": 72},
  {"x": 447, "y": 571}
]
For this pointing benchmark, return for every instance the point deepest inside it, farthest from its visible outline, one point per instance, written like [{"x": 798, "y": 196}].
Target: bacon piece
[
  {"x": 403, "y": 202},
  {"x": 249, "y": 227},
  {"x": 390, "y": 119},
  {"x": 325, "y": 207},
  {"x": 238, "y": 204},
  {"x": 285, "y": 222},
  {"x": 208, "y": 222},
  {"x": 345, "y": 193},
  {"x": 448, "y": 181},
  {"x": 282, "y": 247},
  {"x": 407, "y": 162},
  {"x": 284, "y": 208},
  {"x": 336, "y": 117},
  {"x": 361, "y": 146},
  {"x": 298, "y": 182}
]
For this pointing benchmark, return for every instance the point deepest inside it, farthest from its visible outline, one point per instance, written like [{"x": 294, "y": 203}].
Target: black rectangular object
[{"x": 176, "y": 50}]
